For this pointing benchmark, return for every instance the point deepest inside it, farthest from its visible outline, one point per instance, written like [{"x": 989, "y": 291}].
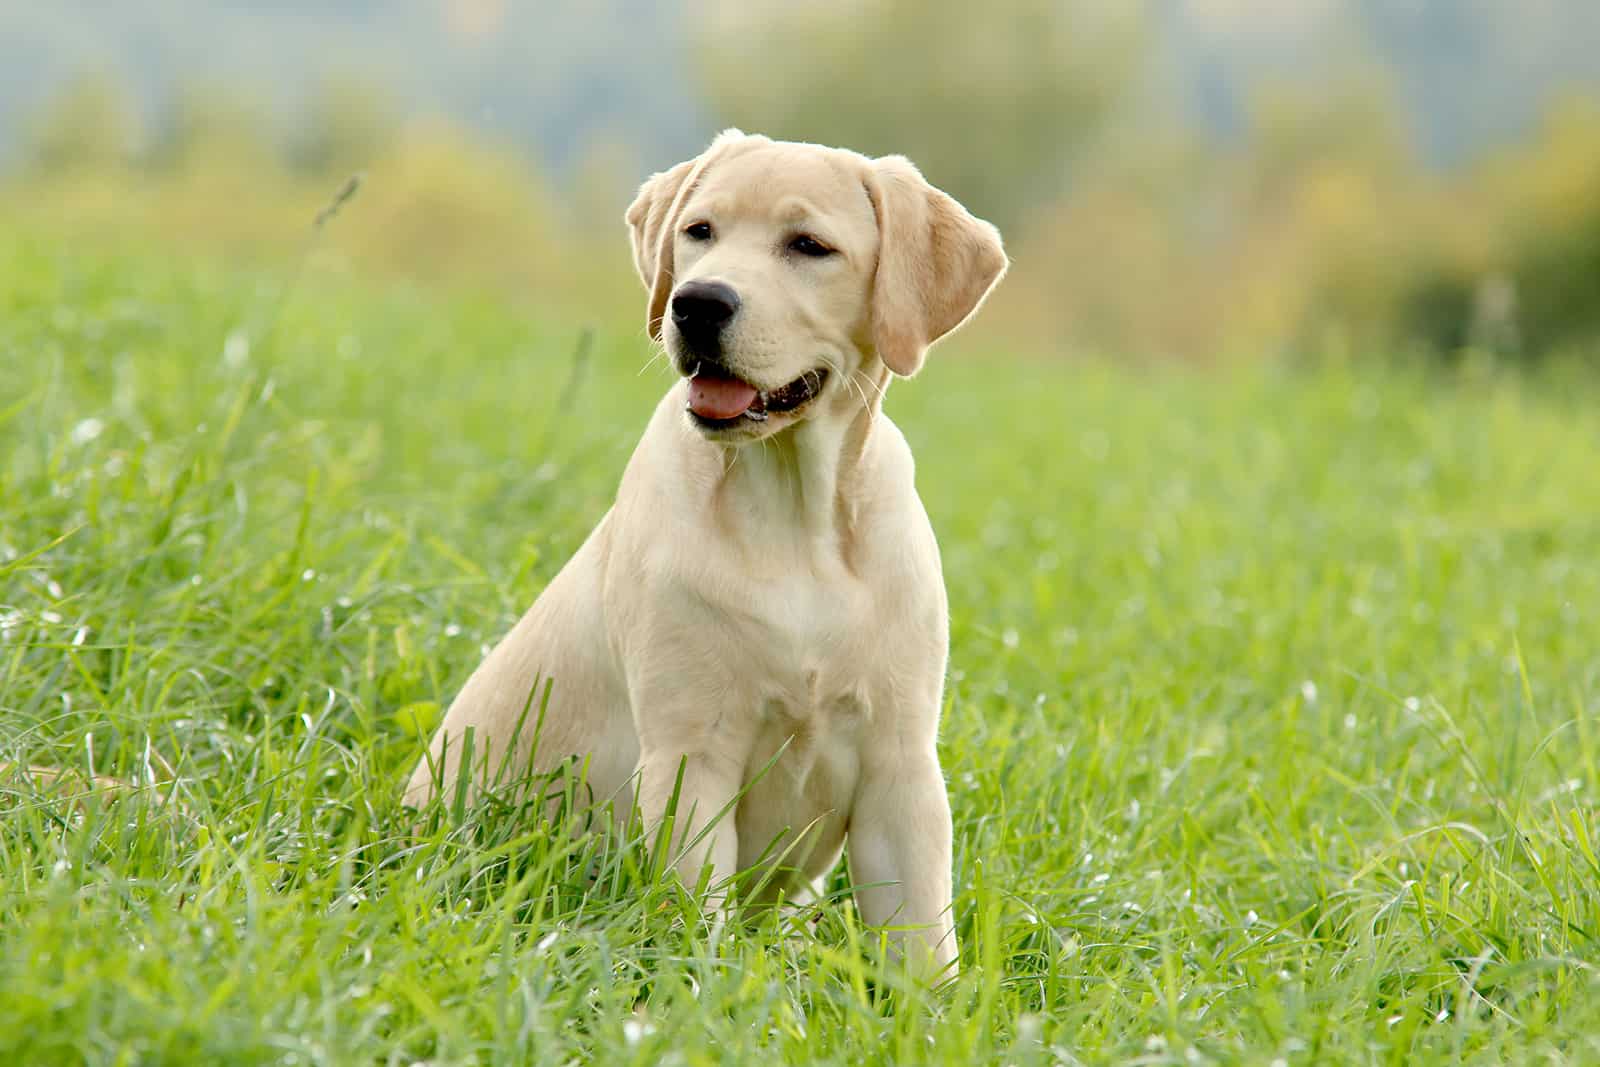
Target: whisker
[
  {"x": 659, "y": 353},
  {"x": 851, "y": 383},
  {"x": 876, "y": 388}
]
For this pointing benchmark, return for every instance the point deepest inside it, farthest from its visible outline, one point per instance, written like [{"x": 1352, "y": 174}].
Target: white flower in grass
[
  {"x": 1308, "y": 691},
  {"x": 636, "y": 1030},
  {"x": 87, "y": 431},
  {"x": 236, "y": 349}
]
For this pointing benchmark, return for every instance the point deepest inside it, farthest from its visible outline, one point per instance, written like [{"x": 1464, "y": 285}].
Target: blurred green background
[{"x": 1194, "y": 180}]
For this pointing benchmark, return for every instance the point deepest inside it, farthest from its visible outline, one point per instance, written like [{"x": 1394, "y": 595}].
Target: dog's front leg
[
  {"x": 899, "y": 845},
  {"x": 696, "y": 790}
]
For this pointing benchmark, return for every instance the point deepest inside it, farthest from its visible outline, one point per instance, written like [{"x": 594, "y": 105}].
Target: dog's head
[{"x": 783, "y": 276}]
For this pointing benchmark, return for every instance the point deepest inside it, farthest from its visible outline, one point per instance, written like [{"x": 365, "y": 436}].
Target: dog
[{"x": 755, "y": 635}]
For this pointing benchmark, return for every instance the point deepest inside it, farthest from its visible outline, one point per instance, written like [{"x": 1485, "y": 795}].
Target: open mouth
[{"x": 717, "y": 400}]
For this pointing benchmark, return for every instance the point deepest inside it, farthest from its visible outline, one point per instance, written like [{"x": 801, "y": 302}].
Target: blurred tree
[
  {"x": 346, "y": 124},
  {"x": 991, "y": 100},
  {"x": 88, "y": 126},
  {"x": 1549, "y": 195},
  {"x": 213, "y": 125}
]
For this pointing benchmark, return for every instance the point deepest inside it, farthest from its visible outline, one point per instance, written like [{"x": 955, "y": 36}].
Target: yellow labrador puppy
[{"x": 761, "y": 616}]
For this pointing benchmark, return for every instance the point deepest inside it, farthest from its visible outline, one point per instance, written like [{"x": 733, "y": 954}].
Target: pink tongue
[{"x": 719, "y": 398}]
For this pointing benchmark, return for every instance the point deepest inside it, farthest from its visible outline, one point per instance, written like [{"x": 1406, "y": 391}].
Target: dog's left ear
[
  {"x": 653, "y": 222},
  {"x": 936, "y": 263}
]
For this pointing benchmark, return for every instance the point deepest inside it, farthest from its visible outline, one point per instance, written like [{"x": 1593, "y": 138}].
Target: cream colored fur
[{"x": 774, "y": 587}]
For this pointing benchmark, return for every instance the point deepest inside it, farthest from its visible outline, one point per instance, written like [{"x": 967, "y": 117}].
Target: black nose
[{"x": 701, "y": 309}]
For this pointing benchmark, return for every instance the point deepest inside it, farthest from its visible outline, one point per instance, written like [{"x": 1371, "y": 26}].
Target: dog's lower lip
[
  {"x": 782, "y": 400},
  {"x": 790, "y": 396}
]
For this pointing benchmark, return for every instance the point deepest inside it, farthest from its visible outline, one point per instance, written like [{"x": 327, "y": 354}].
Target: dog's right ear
[
  {"x": 653, "y": 222},
  {"x": 648, "y": 224}
]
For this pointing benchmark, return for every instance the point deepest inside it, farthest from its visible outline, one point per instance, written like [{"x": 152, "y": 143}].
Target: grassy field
[{"x": 1270, "y": 737}]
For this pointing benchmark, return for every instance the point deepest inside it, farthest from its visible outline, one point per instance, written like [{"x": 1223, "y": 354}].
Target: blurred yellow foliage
[
  {"x": 435, "y": 204},
  {"x": 1316, "y": 231}
]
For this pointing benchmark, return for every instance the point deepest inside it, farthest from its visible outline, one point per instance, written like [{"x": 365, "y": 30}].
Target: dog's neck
[{"x": 807, "y": 478}]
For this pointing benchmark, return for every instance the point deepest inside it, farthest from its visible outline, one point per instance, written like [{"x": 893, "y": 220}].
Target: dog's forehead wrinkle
[{"x": 796, "y": 209}]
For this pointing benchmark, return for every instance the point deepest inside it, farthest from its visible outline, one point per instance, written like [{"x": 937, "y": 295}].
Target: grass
[{"x": 1270, "y": 737}]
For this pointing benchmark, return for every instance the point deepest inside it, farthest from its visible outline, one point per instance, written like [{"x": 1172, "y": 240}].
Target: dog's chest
[
  {"x": 810, "y": 640},
  {"x": 810, "y": 695}
]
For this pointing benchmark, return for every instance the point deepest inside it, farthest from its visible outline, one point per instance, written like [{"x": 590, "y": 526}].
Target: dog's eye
[
  {"x": 807, "y": 245},
  {"x": 699, "y": 231}
]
